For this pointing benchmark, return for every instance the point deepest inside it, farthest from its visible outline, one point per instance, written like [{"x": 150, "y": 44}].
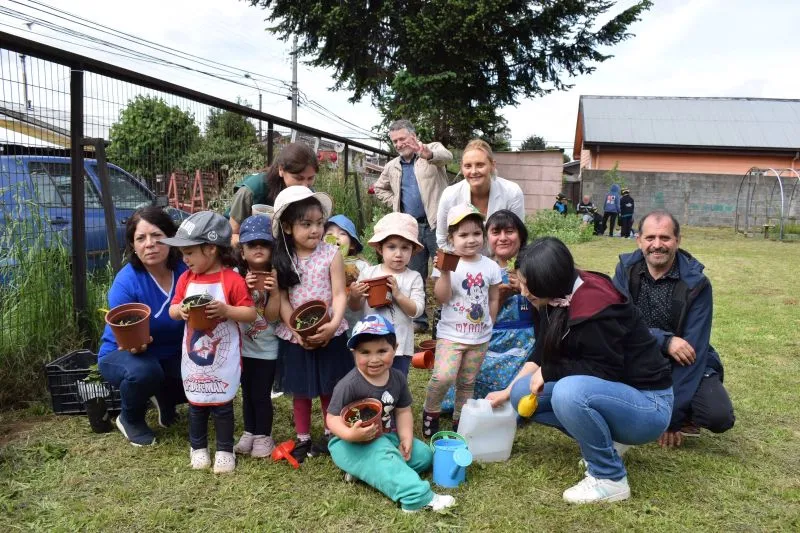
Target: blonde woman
[{"x": 480, "y": 187}]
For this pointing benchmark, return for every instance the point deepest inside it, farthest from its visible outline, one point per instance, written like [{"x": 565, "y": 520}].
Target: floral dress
[
  {"x": 512, "y": 342},
  {"x": 315, "y": 284}
]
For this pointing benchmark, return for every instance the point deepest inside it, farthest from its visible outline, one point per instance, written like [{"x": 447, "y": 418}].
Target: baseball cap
[
  {"x": 459, "y": 212},
  {"x": 625, "y": 190},
  {"x": 297, "y": 193},
  {"x": 256, "y": 228},
  {"x": 203, "y": 227},
  {"x": 370, "y": 325},
  {"x": 399, "y": 224},
  {"x": 347, "y": 225}
]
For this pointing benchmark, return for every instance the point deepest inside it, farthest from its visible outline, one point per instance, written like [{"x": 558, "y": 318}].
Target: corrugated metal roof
[{"x": 708, "y": 122}]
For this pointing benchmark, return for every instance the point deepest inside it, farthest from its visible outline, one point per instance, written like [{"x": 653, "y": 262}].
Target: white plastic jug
[{"x": 489, "y": 432}]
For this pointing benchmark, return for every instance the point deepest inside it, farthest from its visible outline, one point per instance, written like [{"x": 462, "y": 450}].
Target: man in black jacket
[
  {"x": 669, "y": 287},
  {"x": 626, "y": 212}
]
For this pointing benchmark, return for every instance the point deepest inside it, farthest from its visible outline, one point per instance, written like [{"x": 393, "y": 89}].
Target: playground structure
[
  {"x": 190, "y": 193},
  {"x": 767, "y": 203}
]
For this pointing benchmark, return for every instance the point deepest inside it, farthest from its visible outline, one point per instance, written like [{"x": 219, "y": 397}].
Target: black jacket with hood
[{"x": 607, "y": 338}]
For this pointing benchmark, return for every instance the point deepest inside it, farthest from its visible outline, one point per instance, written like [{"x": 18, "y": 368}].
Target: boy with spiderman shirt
[{"x": 386, "y": 460}]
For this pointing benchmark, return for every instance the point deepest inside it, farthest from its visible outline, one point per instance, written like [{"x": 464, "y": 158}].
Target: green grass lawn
[{"x": 55, "y": 475}]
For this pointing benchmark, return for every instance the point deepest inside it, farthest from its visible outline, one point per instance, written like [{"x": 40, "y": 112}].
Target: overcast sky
[{"x": 738, "y": 48}]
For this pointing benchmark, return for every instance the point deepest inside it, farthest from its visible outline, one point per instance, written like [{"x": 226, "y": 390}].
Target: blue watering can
[{"x": 451, "y": 457}]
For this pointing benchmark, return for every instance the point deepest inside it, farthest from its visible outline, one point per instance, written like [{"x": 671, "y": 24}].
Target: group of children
[{"x": 252, "y": 341}]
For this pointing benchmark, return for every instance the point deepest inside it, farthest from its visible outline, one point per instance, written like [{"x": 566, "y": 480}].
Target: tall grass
[{"x": 37, "y": 320}]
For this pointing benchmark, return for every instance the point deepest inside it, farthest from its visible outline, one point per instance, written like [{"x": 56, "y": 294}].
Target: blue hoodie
[
  {"x": 611, "y": 204},
  {"x": 696, "y": 329}
]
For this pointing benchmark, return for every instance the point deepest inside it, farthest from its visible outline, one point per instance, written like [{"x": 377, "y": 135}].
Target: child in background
[
  {"x": 308, "y": 269},
  {"x": 210, "y": 359},
  {"x": 259, "y": 343},
  {"x": 388, "y": 461},
  {"x": 395, "y": 240},
  {"x": 470, "y": 300},
  {"x": 344, "y": 231}
]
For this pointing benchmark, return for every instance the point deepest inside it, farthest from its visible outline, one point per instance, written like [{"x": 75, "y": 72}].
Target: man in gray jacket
[{"x": 412, "y": 183}]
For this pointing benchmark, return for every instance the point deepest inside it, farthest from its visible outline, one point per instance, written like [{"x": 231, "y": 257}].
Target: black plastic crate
[{"x": 64, "y": 373}]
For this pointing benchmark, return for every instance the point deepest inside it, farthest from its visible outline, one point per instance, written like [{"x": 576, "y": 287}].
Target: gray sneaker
[{"x": 138, "y": 434}]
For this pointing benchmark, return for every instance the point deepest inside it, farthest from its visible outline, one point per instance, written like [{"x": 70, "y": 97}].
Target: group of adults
[{"x": 614, "y": 363}]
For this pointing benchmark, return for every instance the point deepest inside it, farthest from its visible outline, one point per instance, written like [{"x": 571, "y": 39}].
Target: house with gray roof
[{"x": 684, "y": 154}]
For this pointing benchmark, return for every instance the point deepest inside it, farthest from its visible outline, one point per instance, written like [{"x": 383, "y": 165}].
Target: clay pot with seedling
[
  {"x": 378, "y": 291},
  {"x": 446, "y": 261},
  {"x": 307, "y": 318},
  {"x": 195, "y": 306},
  {"x": 367, "y": 410},
  {"x": 130, "y": 324}
]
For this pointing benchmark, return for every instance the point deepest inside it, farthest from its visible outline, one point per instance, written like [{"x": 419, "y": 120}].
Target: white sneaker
[
  {"x": 245, "y": 444},
  {"x": 592, "y": 490},
  {"x": 224, "y": 462},
  {"x": 262, "y": 446},
  {"x": 439, "y": 503},
  {"x": 200, "y": 458},
  {"x": 275, "y": 394}
]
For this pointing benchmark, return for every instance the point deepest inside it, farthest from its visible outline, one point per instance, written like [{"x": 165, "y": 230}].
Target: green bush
[{"x": 550, "y": 223}]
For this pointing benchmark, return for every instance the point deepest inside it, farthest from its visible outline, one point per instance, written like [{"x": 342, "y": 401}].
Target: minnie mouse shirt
[{"x": 466, "y": 317}]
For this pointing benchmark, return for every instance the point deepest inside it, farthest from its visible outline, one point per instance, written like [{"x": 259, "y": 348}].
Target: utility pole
[
  {"x": 294, "y": 81},
  {"x": 28, "y": 104},
  {"x": 249, "y": 77}
]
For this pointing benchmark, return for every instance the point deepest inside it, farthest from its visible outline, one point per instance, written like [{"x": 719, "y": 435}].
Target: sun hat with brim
[
  {"x": 396, "y": 224},
  {"x": 203, "y": 227},
  {"x": 347, "y": 225},
  {"x": 369, "y": 325},
  {"x": 297, "y": 193},
  {"x": 459, "y": 212},
  {"x": 256, "y": 228}
]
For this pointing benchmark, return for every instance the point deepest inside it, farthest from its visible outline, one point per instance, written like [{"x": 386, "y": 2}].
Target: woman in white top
[{"x": 480, "y": 187}]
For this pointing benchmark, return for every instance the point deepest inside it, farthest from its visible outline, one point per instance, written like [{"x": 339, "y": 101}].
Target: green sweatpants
[{"x": 380, "y": 464}]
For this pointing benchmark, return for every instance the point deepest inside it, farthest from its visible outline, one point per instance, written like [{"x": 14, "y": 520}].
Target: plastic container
[
  {"x": 197, "y": 312},
  {"x": 63, "y": 378},
  {"x": 446, "y": 261},
  {"x": 262, "y": 209},
  {"x": 489, "y": 432},
  {"x": 423, "y": 360},
  {"x": 312, "y": 308},
  {"x": 451, "y": 457},
  {"x": 378, "y": 292}
]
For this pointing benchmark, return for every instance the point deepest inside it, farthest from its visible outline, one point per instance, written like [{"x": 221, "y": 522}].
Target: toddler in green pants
[{"x": 386, "y": 460}]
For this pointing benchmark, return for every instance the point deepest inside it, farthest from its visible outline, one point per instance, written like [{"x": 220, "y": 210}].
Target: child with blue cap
[
  {"x": 386, "y": 459},
  {"x": 344, "y": 231},
  {"x": 259, "y": 343}
]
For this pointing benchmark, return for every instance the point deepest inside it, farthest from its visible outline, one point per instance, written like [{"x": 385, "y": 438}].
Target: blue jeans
[
  {"x": 596, "y": 413},
  {"x": 419, "y": 261},
  {"x": 138, "y": 377}
]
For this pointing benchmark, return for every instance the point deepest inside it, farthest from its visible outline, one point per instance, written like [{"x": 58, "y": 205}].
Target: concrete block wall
[
  {"x": 695, "y": 199},
  {"x": 537, "y": 172}
]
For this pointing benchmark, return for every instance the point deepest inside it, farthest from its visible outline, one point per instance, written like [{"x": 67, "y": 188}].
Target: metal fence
[{"x": 60, "y": 113}]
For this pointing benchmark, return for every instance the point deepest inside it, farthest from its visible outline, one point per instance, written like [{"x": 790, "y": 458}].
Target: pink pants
[{"x": 455, "y": 363}]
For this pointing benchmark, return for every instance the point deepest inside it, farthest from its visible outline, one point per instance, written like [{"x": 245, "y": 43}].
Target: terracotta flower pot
[
  {"x": 197, "y": 311},
  {"x": 423, "y": 359},
  {"x": 284, "y": 451},
  {"x": 130, "y": 324},
  {"x": 378, "y": 293},
  {"x": 261, "y": 280},
  {"x": 446, "y": 261},
  {"x": 307, "y": 318},
  {"x": 428, "y": 345},
  {"x": 368, "y": 410}
]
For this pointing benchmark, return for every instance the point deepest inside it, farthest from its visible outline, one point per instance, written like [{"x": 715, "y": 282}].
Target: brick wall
[
  {"x": 695, "y": 199},
  {"x": 537, "y": 172}
]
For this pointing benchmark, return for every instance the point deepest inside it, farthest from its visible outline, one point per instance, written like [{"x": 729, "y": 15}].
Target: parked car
[{"x": 36, "y": 204}]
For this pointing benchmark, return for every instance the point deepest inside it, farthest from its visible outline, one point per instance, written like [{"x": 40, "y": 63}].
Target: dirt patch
[
  {"x": 790, "y": 301},
  {"x": 14, "y": 429}
]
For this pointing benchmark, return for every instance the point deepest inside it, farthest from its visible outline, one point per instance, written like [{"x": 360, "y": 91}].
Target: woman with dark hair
[
  {"x": 296, "y": 164},
  {"x": 513, "y": 337},
  {"x": 598, "y": 373},
  {"x": 152, "y": 372}
]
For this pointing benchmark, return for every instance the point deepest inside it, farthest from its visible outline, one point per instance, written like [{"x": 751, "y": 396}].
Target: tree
[
  {"x": 151, "y": 137},
  {"x": 534, "y": 142},
  {"x": 450, "y": 65},
  {"x": 229, "y": 144}
]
